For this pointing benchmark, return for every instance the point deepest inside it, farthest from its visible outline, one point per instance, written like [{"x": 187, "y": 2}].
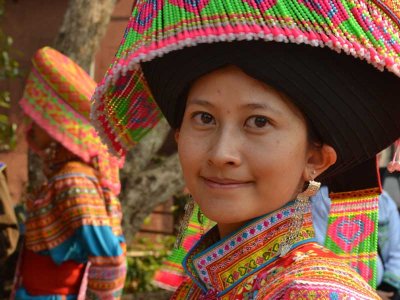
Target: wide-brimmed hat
[
  {"x": 124, "y": 108},
  {"x": 57, "y": 97}
]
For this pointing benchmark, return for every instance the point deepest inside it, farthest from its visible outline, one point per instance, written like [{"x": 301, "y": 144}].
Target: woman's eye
[
  {"x": 203, "y": 118},
  {"x": 257, "y": 122}
]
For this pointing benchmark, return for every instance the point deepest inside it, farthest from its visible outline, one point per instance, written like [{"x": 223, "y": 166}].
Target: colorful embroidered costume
[
  {"x": 349, "y": 96},
  {"x": 74, "y": 246},
  {"x": 246, "y": 265}
]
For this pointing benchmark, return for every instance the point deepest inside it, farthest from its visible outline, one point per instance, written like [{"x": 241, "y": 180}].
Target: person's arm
[
  {"x": 96, "y": 218},
  {"x": 107, "y": 270},
  {"x": 389, "y": 243}
]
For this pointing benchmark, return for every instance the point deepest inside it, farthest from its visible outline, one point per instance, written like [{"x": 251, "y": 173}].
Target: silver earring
[
  {"x": 51, "y": 151},
  {"x": 300, "y": 208},
  {"x": 201, "y": 220},
  {"x": 189, "y": 207}
]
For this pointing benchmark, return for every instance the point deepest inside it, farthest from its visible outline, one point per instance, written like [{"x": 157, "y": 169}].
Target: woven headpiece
[
  {"x": 57, "y": 98},
  {"x": 124, "y": 109}
]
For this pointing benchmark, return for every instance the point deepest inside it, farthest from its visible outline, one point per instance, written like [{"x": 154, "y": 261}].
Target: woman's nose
[{"x": 225, "y": 149}]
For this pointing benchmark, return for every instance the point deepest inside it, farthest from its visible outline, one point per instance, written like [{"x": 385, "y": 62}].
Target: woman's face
[
  {"x": 243, "y": 147},
  {"x": 38, "y": 138}
]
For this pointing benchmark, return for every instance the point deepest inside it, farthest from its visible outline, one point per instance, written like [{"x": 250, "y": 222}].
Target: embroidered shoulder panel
[{"x": 73, "y": 198}]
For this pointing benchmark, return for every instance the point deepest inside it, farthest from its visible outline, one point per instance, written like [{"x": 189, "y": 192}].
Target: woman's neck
[{"x": 226, "y": 229}]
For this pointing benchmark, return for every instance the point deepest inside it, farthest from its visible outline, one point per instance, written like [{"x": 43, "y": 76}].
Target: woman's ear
[
  {"x": 177, "y": 135},
  {"x": 319, "y": 160}
]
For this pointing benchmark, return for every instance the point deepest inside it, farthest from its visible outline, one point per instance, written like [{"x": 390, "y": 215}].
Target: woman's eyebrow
[
  {"x": 251, "y": 106},
  {"x": 258, "y": 105},
  {"x": 200, "y": 102}
]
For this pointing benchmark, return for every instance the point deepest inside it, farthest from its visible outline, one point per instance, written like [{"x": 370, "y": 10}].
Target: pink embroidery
[
  {"x": 348, "y": 233},
  {"x": 331, "y": 9},
  {"x": 263, "y": 5},
  {"x": 210, "y": 295},
  {"x": 362, "y": 269},
  {"x": 143, "y": 112},
  {"x": 191, "y": 5},
  {"x": 146, "y": 13}
]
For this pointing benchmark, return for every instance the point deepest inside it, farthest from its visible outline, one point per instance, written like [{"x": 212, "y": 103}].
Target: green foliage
[
  {"x": 7, "y": 129},
  {"x": 9, "y": 69},
  {"x": 142, "y": 264}
]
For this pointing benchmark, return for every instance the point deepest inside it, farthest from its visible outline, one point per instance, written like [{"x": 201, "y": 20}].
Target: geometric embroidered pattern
[
  {"x": 247, "y": 265},
  {"x": 71, "y": 199},
  {"x": 352, "y": 222}
]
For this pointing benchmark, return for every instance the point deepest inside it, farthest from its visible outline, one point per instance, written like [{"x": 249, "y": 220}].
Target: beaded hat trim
[{"x": 124, "y": 109}]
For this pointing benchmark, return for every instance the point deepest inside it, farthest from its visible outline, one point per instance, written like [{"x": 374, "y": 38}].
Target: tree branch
[
  {"x": 147, "y": 190},
  {"x": 141, "y": 155}
]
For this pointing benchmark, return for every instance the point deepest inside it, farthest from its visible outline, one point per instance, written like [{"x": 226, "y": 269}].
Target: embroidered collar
[{"x": 218, "y": 266}]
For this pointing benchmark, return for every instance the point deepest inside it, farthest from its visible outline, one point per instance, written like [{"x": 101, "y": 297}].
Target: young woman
[
  {"x": 256, "y": 123},
  {"x": 73, "y": 247}
]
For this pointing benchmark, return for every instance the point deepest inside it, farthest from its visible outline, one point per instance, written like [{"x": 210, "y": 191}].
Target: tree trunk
[
  {"x": 148, "y": 179},
  {"x": 85, "y": 23},
  {"x": 148, "y": 189}
]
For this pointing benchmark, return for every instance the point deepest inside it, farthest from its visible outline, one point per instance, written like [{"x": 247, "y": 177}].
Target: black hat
[{"x": 353, "y": 107}]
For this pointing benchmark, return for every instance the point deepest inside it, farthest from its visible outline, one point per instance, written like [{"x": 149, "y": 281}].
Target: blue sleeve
[
  {"x": 389, "y": 239},
  {"x": 99, "y": 241},
  {"x": 320, "y": 207},
  {"x": 22, "y": 294},
  {"x": 87, "y": 241}
]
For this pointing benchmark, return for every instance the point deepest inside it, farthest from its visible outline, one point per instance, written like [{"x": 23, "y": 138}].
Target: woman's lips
[{"x": 225, "y": 183}]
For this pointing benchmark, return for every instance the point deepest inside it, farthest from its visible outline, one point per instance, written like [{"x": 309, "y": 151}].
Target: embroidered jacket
[
  {"x": 73, "y": 234},
  {"x": 247, "y": 265}
]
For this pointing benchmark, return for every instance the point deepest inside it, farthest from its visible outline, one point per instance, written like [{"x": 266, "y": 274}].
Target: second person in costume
[{"x": 74, "y": 247}]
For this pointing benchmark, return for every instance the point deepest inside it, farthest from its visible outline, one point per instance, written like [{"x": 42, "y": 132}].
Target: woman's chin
[{"x": 226, "y": 217}]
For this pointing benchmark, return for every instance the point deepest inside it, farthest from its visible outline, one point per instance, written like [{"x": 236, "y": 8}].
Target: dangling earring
[
  {"x": 185, "y": 222},
  {"x": 300, "y": 208},
  {"x": 200, "y": 219},
  {"x": 51, "y": 151}
]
